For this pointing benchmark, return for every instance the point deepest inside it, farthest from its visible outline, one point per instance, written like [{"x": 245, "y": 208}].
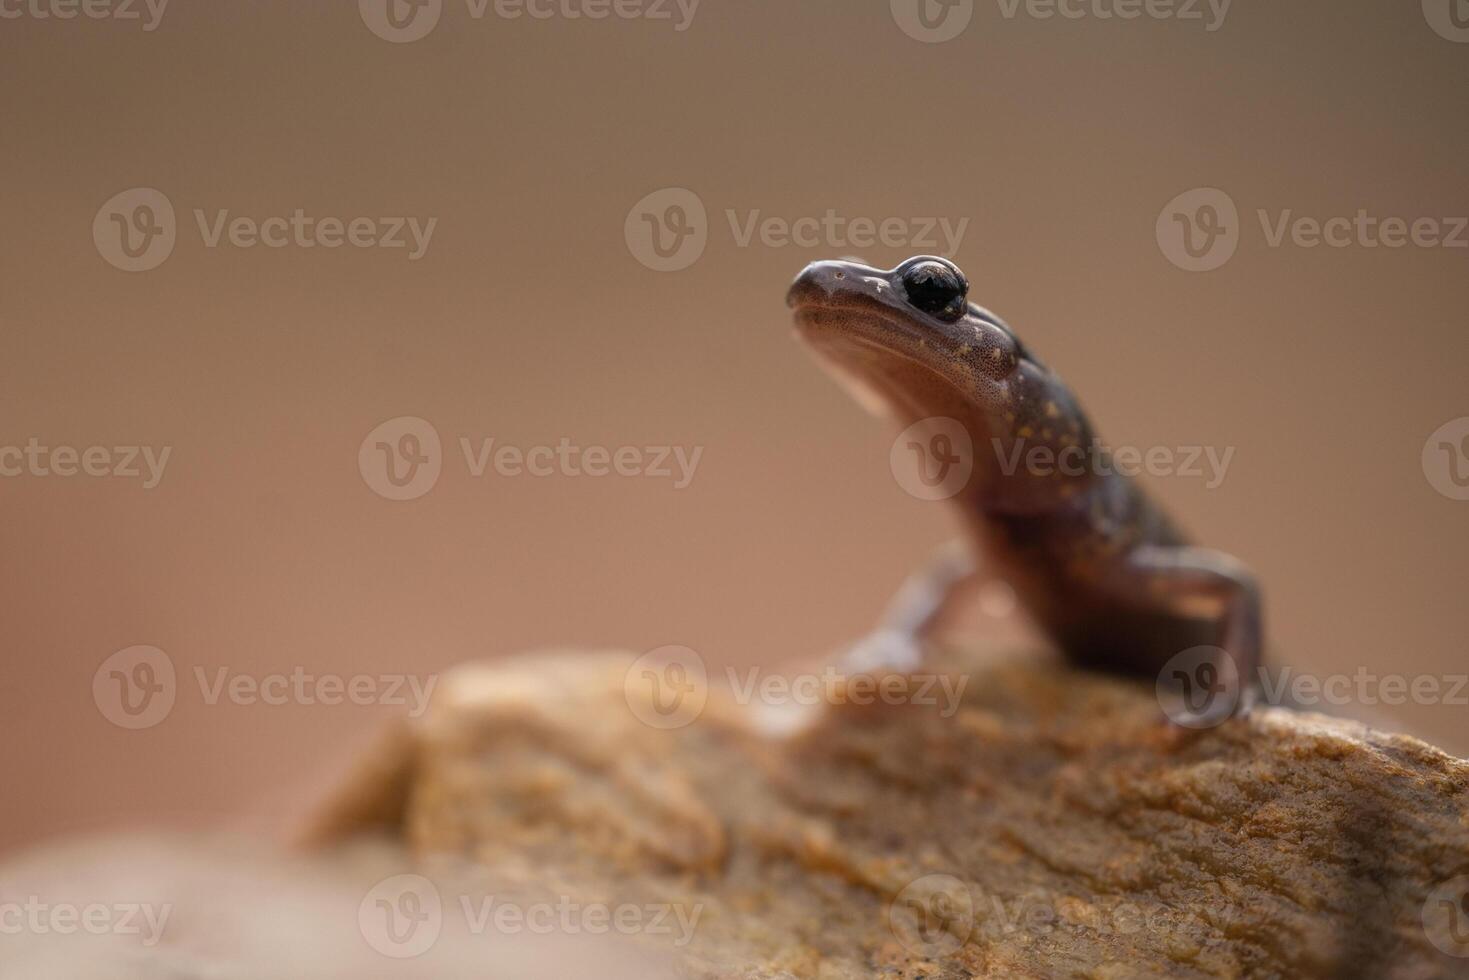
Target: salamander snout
[{"x": 821, "y": 282}]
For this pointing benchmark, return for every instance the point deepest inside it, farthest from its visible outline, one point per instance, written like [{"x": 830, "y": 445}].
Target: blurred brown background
[{"x": 529, "y": 319}]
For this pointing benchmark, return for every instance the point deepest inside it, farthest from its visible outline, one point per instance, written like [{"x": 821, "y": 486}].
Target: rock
[
  {"x": 173, "y": 906},
  {"x": 1048, "y": 823}
]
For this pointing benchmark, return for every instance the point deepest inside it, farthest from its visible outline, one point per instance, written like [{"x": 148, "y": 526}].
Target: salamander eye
[{"x": 936, "y": 287}]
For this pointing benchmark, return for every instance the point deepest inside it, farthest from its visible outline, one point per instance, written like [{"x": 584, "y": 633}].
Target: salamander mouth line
[
  {"x": 871, "y": 329},
  {"x": 864, "y": 349}
]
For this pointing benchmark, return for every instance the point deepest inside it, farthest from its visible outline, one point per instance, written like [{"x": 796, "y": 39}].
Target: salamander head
[
  {"x": 918, "y": 312},
  {"x": 908, "y": 343}
]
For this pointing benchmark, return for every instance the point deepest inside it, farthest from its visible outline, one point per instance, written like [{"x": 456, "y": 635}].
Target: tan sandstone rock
[{"x": 1052, "y": 824}]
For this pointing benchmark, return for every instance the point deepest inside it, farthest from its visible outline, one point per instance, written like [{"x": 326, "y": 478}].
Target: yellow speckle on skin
[
  {"x": 1025, "y": 432},
  {"x": 1052, "y": 411},
  {"x": 963, "y": 349}
]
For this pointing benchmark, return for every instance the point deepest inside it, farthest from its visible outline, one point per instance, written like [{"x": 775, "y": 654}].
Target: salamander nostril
[{"x": 937, "y": 288}]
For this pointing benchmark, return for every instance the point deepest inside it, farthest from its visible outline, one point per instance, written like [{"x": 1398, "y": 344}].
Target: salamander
[{"x": 1092, "y": 558}]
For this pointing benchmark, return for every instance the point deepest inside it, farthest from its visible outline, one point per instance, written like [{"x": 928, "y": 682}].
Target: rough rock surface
[{"x": 1051, "y": 825}]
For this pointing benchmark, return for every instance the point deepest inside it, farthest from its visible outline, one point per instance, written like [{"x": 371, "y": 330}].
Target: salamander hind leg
[{"x": 1204, "y": 684}]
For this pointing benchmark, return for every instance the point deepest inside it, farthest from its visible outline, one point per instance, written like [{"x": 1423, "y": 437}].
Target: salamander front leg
[{"x": 896, "y": 644}]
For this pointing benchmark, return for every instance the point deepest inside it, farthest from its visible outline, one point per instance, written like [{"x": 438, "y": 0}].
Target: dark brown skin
[{"x": 1094, "y": 561}]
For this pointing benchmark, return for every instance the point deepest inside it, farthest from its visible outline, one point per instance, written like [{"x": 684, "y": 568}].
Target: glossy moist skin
[{"x": 1092, "y": 558}]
